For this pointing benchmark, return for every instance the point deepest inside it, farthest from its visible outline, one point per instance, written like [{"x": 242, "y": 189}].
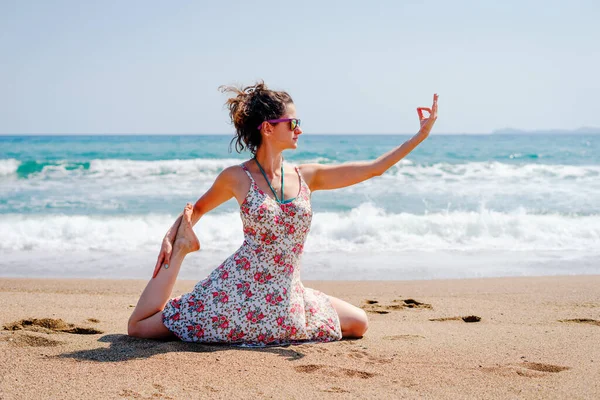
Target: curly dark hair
[{"x": 249, "y": 108}]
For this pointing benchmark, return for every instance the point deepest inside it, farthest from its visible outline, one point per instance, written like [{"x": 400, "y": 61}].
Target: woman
[{"x": 256, "y": 296}]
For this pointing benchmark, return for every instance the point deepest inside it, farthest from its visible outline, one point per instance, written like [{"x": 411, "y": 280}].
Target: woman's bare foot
[{"x": 186, "y": 240}]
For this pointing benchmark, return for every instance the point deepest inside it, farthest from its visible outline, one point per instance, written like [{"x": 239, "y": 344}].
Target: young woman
[{"x": 256, "y": 296}]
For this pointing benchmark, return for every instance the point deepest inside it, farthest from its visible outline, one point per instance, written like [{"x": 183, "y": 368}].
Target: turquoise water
[{"x": 535, "y": 197}]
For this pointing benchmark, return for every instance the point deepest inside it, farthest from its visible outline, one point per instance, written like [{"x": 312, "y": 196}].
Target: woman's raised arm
[{"x": 325, "y": 177}]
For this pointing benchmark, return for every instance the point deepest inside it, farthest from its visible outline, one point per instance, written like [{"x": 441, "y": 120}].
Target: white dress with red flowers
[{"x": 256, "y": 296}]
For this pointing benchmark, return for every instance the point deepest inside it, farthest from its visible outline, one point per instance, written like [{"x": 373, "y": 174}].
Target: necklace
[{"x": 269, "y": 183}]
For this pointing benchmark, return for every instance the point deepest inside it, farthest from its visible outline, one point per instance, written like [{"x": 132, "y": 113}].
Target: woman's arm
[
  {"x": 325, "y": 177},
  {"x": 219, "y": 192}
]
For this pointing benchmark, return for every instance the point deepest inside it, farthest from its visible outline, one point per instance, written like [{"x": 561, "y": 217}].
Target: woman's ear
[{"x": 267, "y": 128}]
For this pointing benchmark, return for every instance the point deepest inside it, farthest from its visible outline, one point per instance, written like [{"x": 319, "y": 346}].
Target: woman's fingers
[
  {"x": 159, "y": 263},
  {"x": 427, "y": 122},
  {"x": 420, "y": 112},
  {"x": 429, "y": 110}
]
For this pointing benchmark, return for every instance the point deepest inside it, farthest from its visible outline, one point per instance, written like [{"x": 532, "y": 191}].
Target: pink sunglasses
[{"x": 294, "y": 122}]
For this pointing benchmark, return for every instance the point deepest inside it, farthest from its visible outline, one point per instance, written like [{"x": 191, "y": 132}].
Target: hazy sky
[{"x": 351, "y": 66}]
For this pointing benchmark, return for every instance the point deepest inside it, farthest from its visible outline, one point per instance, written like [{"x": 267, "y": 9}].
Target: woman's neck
[{"x": 270, "y": 161}]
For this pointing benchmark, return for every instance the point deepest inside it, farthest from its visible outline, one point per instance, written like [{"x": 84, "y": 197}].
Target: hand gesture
[
  {"x": 164, "y": 257},
  {"x": 428, "y": 122}
]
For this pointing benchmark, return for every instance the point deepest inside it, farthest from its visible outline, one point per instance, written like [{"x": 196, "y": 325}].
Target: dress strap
[
  {"x": 247, "y": 172},
  {"x": 302, "y": 182}
]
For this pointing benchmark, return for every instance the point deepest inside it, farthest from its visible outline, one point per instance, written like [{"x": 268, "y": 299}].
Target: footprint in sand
[
  {"x": 357, "y": 354},
  {"x": 310, "y": 348},
  {"x": 49, "y": 325},
  {"x": 366, "y": 357},
  {"x": 544, "y": 367},
  {"x": 334, "y": 371},
  {"x": 136, "y": 395},
  {"x": 373, "y": 306},
  {"x": 468, "y": 318},
  {"x": 526, "y": 369},
  {"x": 335, "y": 389},
  {"x": 24, "y": 340},
  {"x": 581, "y": 321},
  {"x": 403, "y": 337}
]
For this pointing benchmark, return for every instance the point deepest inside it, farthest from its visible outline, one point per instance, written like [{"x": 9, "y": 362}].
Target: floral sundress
[{"x": 255, "y": 296}]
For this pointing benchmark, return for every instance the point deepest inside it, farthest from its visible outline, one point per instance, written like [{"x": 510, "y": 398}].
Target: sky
[{"x": 147, "y": 67}]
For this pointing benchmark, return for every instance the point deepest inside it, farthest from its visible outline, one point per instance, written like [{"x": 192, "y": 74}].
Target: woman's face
[{"x": 282, "y": 136}]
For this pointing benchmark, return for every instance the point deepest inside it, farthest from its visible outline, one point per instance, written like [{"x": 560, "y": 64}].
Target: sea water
[{"x": 458, "y": 206}]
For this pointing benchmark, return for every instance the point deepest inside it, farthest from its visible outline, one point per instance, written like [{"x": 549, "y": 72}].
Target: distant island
[{"x": 585, "y": 130}]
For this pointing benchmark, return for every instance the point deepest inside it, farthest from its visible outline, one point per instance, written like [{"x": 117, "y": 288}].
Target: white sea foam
[
  {"x": 371, "y": 228},
  {"x": 365, "y": 228},
  {"x": 494, "y": 170},
  {"x": 140, "y": 169},
  {"x": 405, "y": 170},
  {"x": 146, "y": 187},
  {"x": 8, "y": 166}
]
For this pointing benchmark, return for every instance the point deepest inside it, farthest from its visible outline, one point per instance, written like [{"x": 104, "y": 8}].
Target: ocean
[{"x": 458, "y": 206}]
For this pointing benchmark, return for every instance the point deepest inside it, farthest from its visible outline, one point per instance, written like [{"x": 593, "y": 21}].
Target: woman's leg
[
  {"x": 353, "y": 320},
  {"x": 146, "y": 319}
]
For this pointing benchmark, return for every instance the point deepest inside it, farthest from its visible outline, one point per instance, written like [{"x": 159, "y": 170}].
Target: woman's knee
[
  {"x": 353, "y": 320},
  {"x": 355, "y": 324},
  {"x": 133, "y": 328},
  {"x": 360, "y": 323},
  {"x": 148, "y": 328}
]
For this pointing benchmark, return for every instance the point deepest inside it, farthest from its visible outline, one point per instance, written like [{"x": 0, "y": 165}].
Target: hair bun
[
  {"x": 249, "y": 107},
  {"x": 256, "y": 89}
]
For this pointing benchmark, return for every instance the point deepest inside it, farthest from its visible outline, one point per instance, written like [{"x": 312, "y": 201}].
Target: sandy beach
[{"x": 531, "y": 337}]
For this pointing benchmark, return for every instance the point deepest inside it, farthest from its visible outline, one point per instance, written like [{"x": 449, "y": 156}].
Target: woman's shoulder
[
  {"x": 308, "y": 172},
  {"x": 232, "y": 179},
  {"x": 234, "y": 172}
]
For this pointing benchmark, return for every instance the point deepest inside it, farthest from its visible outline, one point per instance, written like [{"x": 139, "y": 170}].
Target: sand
[{"x": 531, "y": 337}]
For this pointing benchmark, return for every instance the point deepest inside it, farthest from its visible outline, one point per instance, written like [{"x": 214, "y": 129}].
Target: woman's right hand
[
  {"x": 428, "y": 122},
  {"x": 164, "y": 257}
]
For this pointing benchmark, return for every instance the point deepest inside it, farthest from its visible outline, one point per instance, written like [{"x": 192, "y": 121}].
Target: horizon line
[
  {"x": 217, "y": 134},
  {"x": 517, "y": 132}
]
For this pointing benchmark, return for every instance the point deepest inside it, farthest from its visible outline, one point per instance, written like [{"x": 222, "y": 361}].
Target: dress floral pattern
[{"x": 255, "y": 296}]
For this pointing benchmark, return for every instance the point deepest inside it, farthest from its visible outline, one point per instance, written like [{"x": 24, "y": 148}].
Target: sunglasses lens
[{"x": 293, "y": 124}]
